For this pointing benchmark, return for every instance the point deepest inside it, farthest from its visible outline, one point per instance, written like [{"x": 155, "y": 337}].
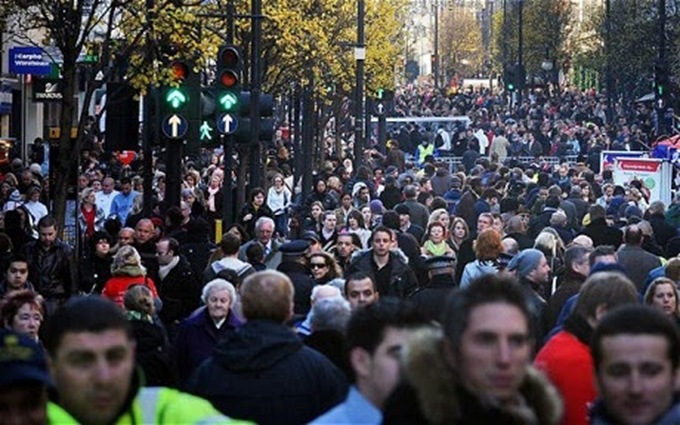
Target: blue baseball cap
[{"x": 21, "y": 360}]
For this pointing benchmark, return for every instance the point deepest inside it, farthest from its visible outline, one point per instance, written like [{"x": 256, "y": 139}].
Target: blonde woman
[
  {"x": 90, "y": 217},
  {"x": 440, "y": 215},
  {"x": 126, "y": 270},
  {"x": 551, "y": 245}
]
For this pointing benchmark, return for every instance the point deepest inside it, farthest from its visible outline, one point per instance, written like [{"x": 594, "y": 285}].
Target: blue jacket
[
  {"x": 121, "y": 205},
  {"x": 196, "y": 339}
]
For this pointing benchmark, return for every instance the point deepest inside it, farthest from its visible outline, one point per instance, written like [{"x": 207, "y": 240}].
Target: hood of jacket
[
  {"x": 258, "y": 345},
  {"x": 438, "y": 388},
  {"x": 128, "y": 270}
]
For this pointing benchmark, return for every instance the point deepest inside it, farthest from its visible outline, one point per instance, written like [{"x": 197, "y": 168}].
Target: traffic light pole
[
  {"x": 228, "y": 143},
  {"x": 150, "y": 101},
  {"x": 660, "y": 80},
  {"x": 256, "y": 170},
  {"x": 520, "y": 52},
  {"x": 360, "y": 56}
]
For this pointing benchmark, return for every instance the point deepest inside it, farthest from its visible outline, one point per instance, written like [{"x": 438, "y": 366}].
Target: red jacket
[
  {"x": 569, "y": 365},
  {"x": 116, "y": 286}
]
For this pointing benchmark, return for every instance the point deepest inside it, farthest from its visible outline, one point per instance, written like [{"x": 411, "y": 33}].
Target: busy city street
[{"x": 340, "y": 212}]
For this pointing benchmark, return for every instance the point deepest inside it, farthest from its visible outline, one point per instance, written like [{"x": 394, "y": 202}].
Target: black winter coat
[
  {"x": 264, "y": 373},
  {"x": 197, "y": 254},
  {"x": 153, "y": 355},
  {"x": 180, "y": 292},
  {"x": 403, "y": 281},
  {"x": 602, "y": 234},
  {"x": 94, "y": 273},
  {"x": 302, "y": 282}
]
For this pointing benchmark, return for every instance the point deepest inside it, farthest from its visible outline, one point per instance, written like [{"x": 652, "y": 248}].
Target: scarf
[
  {"x": 211, "y": 198},
  {"x": 163, "y": 271},
  {"x": 436, "y": 249}
]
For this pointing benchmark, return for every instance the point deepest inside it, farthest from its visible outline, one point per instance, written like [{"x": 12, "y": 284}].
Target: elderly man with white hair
[{"x": 319, "y": 293}]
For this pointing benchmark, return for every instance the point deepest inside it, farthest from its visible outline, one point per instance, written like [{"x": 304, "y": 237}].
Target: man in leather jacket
[{"x": 50, "y": 267}]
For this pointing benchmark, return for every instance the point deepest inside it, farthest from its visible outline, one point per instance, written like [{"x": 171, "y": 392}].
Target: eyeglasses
[{"x": 317, "y": 265}]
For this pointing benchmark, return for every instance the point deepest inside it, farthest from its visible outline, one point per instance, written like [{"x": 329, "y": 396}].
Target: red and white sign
[{"x": 654, "y": 174}]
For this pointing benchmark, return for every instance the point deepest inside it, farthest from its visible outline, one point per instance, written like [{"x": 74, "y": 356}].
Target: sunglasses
[{"x": 317, "y": 265}]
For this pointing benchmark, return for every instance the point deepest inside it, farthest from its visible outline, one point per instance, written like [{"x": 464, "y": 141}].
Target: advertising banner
[{"x": 654, "y": 174}]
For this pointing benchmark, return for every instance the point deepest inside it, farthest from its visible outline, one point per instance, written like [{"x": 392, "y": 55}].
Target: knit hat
[
  {"x": 376, "y": 206},
  {"x": 525, "y": 262},
  {"x": 632, "y": 211}
]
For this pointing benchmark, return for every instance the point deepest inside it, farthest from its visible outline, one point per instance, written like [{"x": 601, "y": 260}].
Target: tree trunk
[{"x": 67, "y": 160}]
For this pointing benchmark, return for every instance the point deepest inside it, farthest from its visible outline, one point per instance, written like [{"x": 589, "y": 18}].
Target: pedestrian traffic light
[
  {"x": 208, "y": 136},
  {"x": 228, "y": 78}
]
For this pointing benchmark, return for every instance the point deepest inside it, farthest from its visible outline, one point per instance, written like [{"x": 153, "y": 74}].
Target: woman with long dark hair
[{"x": 254, "y": 209}]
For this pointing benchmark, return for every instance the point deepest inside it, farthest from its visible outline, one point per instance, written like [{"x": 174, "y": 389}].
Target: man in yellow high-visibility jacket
[{"x": 91, "y": 357}]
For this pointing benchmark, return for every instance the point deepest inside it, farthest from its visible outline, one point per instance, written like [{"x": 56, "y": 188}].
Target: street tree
[
  {"x": 460, "y": 41},
  {"x": 547, "y": 29},
  {"x": 132, "y": 37}
]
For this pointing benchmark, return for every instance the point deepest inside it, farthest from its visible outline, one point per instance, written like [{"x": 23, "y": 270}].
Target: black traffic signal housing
[
  {"x": 209, "y": 136},
  {"x": 228, "y": 79},
  {"x": 661, "y": 84},
  {"x": 265, "y": 111},
  {"x": 510, "y": 78},
  {"x": 180, "y": 104},
  {"x": 122, "y": 117}
]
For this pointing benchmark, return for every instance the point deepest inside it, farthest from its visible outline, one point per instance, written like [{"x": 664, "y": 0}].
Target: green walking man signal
[{"x": 206, "y": 131}]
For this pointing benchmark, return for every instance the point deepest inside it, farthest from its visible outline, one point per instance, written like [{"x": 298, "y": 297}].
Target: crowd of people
[{"x": 398, "y": 289}]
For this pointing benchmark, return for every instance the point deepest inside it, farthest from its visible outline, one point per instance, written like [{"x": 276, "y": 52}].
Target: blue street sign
[
  {"x": 227, "y": 123},
  {"x": 29, "y": 60},
  {"x": 175, "y": 126}
]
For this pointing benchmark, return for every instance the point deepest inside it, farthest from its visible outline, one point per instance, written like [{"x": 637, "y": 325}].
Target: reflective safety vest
[
  {"x": 424, "y": 151},
  {"x": 157, "y": 405}
]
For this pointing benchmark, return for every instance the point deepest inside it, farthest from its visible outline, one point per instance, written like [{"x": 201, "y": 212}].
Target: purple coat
[{"x": 196, "y": 340}]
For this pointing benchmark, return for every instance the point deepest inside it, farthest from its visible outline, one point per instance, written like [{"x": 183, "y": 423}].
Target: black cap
[
  {"x": 294, "y": 248},
  {"x": 440, "y": 262},
  {"x": 402, "y": 209},
  {"x": 310, "y": 236}
]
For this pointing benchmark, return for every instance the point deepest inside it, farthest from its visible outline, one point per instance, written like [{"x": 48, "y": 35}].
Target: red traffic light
[
  {"x": 228, "y": 79},
  {"x": 179, "y": 70},
  {"x": 229, "y": 57}
]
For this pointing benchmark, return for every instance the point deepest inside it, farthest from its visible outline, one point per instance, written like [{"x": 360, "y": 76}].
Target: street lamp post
[
  {"x": 520, "y": 54},
  {"x": 435, "y": 62},
  {"x": 609, "y": 81},
  {"x": 360, "y": 56}
]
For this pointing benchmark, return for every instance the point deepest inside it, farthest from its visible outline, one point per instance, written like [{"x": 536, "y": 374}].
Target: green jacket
[{"x": 157, "y": 405}]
